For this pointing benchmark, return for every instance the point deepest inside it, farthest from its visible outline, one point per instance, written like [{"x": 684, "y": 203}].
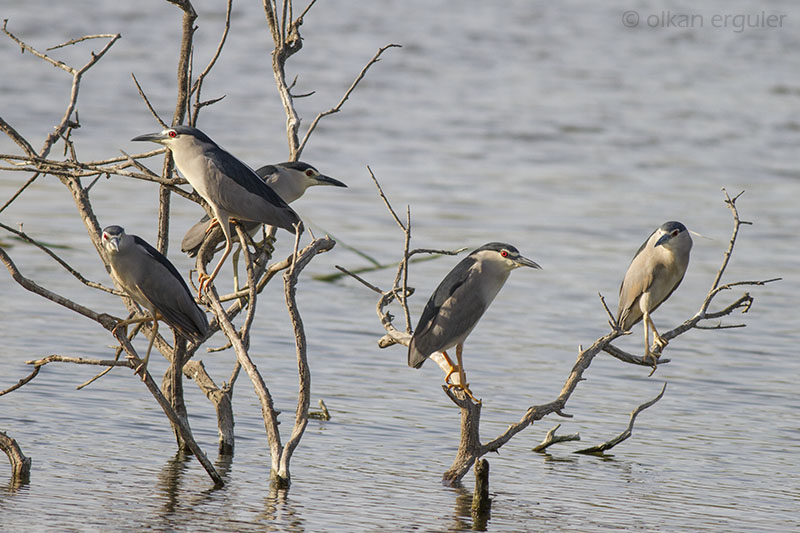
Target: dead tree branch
[
  {"x": 470, "y": 447},
  {"x": 600, "y": 448},
  {"x": 551, "y": 438},
  {"x": 20, "y": 465}
]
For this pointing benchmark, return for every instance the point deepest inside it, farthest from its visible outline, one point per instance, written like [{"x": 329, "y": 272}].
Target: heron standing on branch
[
  {"x": 232, "y": 189},
  {"x": 458, "y": 303}
]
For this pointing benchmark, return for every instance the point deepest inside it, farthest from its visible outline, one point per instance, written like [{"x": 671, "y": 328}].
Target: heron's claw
[
  {"x": 204, "y": 280},
  {"x": 141, "y": 369},
  {"x": 660, "y": 343},
  {"x": 653, "y": 356},
  {"x": 465, "y": 388}
]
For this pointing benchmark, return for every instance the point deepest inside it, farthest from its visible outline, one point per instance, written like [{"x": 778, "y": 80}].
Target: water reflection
[
  {"x": 15, "y": 485},
  {"x": 170, "y": 480},
  {"x": 464, "y": 517},
  {"x": 279, "y": 509}
]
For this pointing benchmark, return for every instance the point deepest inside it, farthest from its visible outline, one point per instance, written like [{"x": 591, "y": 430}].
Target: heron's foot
[
  {"x": 652, "y": 356},
  {"x": 203, "y": 281},
  {"x": 120, "y": 325},
  {"x": 214, "y": 222},
  {"x": 453, "y": 370},
  {"x": 139, "y": 370},
  {"x": 465, "y": 387},
  {"x": 660, "y": 343}
]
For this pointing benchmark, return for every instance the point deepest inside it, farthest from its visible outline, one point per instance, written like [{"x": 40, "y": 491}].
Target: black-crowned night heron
[
  {"x": 290, "y": 180},
  {"x": 154, "y": 283},
  {"x": 458, "y": 303},
  {"x": 232, "y": 189},
  {"x": 655, "y": 272}
]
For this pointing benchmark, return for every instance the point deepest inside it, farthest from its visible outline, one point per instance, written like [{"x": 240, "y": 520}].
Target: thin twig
[
  {"x": 338, "y": 106},
  {"x": 149, "y": 106}
]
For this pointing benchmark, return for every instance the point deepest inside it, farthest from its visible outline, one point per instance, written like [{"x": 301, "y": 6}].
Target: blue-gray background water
[{"x": 550, "y": 125}]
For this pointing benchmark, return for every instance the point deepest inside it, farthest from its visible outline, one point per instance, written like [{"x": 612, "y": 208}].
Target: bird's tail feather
[{"x": 415, "y": 357}]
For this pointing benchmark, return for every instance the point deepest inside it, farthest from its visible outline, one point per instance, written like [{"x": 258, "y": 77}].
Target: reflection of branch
[{"x": 628, "y": 431}]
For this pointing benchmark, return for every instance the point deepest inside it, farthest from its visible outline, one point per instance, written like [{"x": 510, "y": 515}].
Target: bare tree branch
[
  {"x": 600, "y": 448},
  {"x": 551, "y": 438},
  {"x": 338, "y": 106}
]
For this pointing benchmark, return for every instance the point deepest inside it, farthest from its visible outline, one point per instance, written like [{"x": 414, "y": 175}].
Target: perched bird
[
  {"x": 290, "y": 180},
  {"x": 458, "y": 303},
  {"x": 232, "y": 189},
  {"x": 654, "y": 273},
  {"x": 152, "y": 282}
]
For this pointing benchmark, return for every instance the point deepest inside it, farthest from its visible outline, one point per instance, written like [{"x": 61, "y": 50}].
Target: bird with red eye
[
  {"x": 233, "y": 190},
  {"x": 657, "y": 268},
  {"x": 458, "y": 303},
  {"x": 289, "y": 180}
]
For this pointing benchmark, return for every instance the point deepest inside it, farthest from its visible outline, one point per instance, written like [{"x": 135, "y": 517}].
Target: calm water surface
[{"x": 548, "y": 125}]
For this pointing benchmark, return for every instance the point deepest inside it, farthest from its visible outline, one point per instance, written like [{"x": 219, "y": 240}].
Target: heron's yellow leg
[
  {"x": 453, "y": 368},
  {"x": 462, "y": 376},
  {"x": 214, "y": 222},
  {"x": 204, "y": 279}
]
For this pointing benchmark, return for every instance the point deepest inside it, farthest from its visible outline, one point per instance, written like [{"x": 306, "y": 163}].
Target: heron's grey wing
[
  {"x": 194, "y": 236},
  {"x": 170, "y": 296},
  {"x": 450, "y": 304},
  {"x": 244, "y": 176},
  {"x": 262, "y": 204},
  {"x": 637, "y": 279}
]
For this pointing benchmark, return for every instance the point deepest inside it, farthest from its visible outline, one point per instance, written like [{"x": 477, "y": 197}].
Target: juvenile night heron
[
  {"x": 458, "y": 303},
  {"x": 232, "y": 189},
  {"x": 653, "y": 275},
  {"x": 154, "y": 283},
  {"x": 290, "y": 180}
]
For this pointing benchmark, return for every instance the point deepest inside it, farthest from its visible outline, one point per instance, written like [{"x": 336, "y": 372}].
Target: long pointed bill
[
  {"x": 153, "y": 137},
  {"x": 524, "y": 261},
  {"x": 327, "y": 180}
]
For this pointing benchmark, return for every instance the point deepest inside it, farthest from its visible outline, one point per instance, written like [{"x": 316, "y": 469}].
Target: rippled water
[{"x": 548, "y": 125}]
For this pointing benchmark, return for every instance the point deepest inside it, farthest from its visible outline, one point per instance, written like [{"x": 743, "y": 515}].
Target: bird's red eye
[
  {"x": 504, "y": 253},
  {"x": 172, "y": 133},
  {"x": 309, "y": 172}
]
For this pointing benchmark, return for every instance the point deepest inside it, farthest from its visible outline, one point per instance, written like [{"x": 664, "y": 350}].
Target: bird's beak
[
  {"x": 663, "y": 239},
  {"x": 524, "y": 261},
  {"x": 113, "y": 243},
  {"x": 153, "y": 137},
  {"x": 327, "y": 180}
]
